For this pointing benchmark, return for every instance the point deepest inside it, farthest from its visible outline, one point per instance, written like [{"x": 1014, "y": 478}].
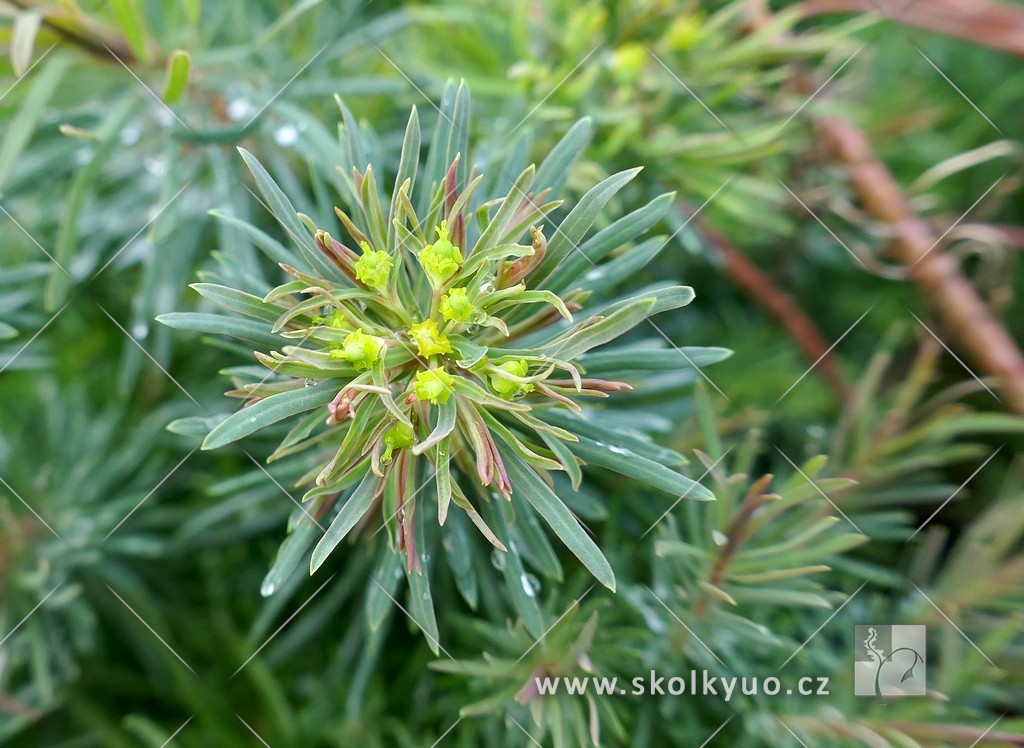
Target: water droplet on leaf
[
  {"x": 239, "y": 109},
  {"x": 531, "y": 585},
  {"x": 286, "y": 135}
]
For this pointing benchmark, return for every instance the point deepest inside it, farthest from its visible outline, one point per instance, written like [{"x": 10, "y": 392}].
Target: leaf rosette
[{"x": 443, "y": 342}]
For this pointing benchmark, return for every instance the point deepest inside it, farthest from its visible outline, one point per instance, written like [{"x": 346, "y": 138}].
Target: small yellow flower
[
  {"x": 684, "y": 32},
  {"x": 628, "y": 60},
  {"x": 373, "y": 267},
  {"x": 435, "y": 385},
  {"x": 456, "y": 306},
  {"x": 399, "y": 437},
  {"x": 441, "y": 259},
  {"x": 336, "y": 320},
  {"x": 360, "y": 349},
  {"x": 429, "y": 341},
  {"x": 506, "y": 388}
]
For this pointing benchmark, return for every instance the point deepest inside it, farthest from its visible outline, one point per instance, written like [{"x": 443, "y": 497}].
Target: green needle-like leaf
[
  {"x": 351, "y": 512},
  {"x": 558, "y": 517},
  {"x": 270, "y": 410}
]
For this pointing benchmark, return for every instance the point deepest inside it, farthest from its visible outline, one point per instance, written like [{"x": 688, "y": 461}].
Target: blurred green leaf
[{"x": 178, "y": 66}]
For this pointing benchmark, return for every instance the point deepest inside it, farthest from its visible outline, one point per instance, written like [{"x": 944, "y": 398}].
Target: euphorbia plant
[{"x": 438, "y": 349}]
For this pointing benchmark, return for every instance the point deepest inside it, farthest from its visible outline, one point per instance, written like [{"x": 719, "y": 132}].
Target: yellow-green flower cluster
[
  {"x": 373, "y": 267},
  {"x": 429, "y": 340},
  {"x": 456, "y": 306},
  {"x": 360, "y": 349},
  {"x": 434, "y": 385},
  {"x": 400, "y": 436},
  {"x": 506, "y": 387},
  {"x": 442, "y": 259}
]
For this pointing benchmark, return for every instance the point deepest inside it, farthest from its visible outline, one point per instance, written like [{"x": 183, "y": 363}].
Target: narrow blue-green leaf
[
  {"x": 19, "y": 129},
  {"x": 460, "y": 557},
  {"x": 289, "y": 556},
  {"x": 351, "y": 512},
  {"x": 7, "y": 332},
  {"x": 558, "y": 517},
  {"x": 626, "y": 462},
  {"x": 296, "y": 11},
  {"x": 421, "y": 607},
  {"x": 217, "y": 324},
  {"x": 607, "y": 329},
  {"x": 238, "y": 301},
  {"x": 446, "y": 413},
  {"x": 382, "y": 587},
  {"x": 564, "y": 456},
  {"x": 270, "y": 246},
  {"x": 647, "y": 358},
  {"x": 555, "y": 168},
  {"x": 607, "y": 240},
  {"x": 575, "y": 225},
  {"x": 407, "y": 165},
  {"x": 613, "y": 272},
  {"x": 506, "y": 212},
  {"x": 81, "y": 191},
  {"x": 531, "y": 540},
  {"x": 516, "y": 580},
  {"x": 198, "y": 426},
  {"x": 270, "y": 410},
  {"x": 438, "y": 156},
  {"x": 286, "y": 215},
  {"x": 443, "y": 476},
  {"x": 666, "y": 298},
  {"x": 590, "y": 424}
]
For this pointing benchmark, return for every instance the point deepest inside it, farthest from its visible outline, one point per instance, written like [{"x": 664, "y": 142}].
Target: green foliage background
[{"x": 131, "y": 563}]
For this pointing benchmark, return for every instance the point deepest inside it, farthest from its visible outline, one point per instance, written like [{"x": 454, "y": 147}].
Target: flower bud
[
  {"x": 456, "y": 306},
  {"x": 373, "y": 267},
  {"x": 428, "y": 340},
  {"x": 360, "y": 349},
  {"x": 442, "y": 259},
  {"x": 400, "y": 436},
  {"x": 434, "y": 385},
  {"x": 506, "y": 388}
]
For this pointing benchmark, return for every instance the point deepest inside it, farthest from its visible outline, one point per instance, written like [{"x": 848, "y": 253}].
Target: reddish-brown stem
[
  {"x": 779, "y": 305},
  {"x": 995, "y": 25},
  {"x": 756, "y": 495},
  {"x": 969, "y": 321}
]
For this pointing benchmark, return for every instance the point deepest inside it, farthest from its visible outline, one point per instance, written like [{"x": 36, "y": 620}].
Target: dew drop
[
  {"x": 163, "y": 116},
  {"x": 268, "y": 588},
  {"x": 498, "y": 560},
  {"x": 531, "y": 585},
  {"x": 309, "y": 383},
  {"x": 239, "y": 109},
  {"x": 129, "y": 134},
  {"x": 155, "y": 166},
  {"x": 595, "y": 274},
  {"x": 816, "y": 432},
  {"x": 618, "y": 450},
  {"x": 286, "y": 135},
  {"x": 719, "y": 538}
]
